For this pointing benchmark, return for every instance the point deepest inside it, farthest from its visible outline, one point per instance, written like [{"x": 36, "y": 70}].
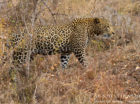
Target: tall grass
[{"x": 112, "y": 74}]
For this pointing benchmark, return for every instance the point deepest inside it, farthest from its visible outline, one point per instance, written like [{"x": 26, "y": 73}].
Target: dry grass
[{"x": 113, "y": 75}]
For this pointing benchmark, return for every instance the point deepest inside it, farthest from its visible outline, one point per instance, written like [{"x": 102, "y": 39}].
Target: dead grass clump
[{"x": 133, "y": 8}]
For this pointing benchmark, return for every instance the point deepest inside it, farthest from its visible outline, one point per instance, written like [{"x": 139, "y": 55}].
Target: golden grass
[{"x": 113, "y": 74}]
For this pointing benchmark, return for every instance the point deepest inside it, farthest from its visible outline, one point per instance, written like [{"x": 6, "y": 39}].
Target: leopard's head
[{"x": 102, "y": 29}]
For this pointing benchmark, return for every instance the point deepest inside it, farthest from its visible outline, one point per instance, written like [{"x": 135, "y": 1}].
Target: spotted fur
[{"x": 63, "y": 39}]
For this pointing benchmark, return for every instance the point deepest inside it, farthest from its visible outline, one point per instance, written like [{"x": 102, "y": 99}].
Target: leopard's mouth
[
  {"x": 103, "y": 36},
  {"x": 106, "y": 36}
]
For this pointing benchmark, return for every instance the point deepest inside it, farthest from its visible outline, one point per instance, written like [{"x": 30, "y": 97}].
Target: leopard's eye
[{"x": 107, "y": 26}]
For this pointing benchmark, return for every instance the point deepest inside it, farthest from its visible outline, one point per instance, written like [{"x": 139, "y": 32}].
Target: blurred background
[{"x": 114, "y": 67}]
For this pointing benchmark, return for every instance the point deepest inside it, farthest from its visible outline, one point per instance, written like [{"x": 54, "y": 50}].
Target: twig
[
  {"x": 60, "y": 14},
  {"x": 35, "y": 14},
  {"x": 49, "y": 11}
]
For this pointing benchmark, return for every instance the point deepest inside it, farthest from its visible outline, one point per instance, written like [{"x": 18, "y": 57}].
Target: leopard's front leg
[{"x": 81, "y": 56}]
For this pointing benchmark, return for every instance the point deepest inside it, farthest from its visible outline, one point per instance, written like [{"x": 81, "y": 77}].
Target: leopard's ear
[{"x": 96, "y": 20}]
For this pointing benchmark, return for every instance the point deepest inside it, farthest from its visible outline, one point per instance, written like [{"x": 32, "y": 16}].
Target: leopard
[{"x": 66, "y": 39}]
